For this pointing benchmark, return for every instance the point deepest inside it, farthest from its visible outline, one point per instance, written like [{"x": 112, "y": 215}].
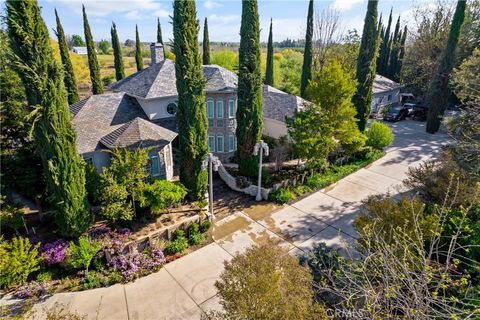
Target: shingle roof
[
  {"x": 99, "y": 118},
  {"x": 219, "y": 79},
  {"x": 383, "y": 84},
  {"x": 138, "y": 133},
  {"x": 159, "y": 81},
  {"x": 153, "y": 82},
  {"x": 278, "y": 104}
]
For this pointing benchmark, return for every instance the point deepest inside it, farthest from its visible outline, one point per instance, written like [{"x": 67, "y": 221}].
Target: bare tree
[
  {"x": 327, "y": 32},
  {"x": 399, "y": 276}
]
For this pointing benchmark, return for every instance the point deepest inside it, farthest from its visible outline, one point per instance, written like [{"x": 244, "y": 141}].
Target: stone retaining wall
[{"x": 164, "y": 233}]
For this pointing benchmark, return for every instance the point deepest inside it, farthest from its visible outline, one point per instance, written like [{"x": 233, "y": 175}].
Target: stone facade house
[
  {"x": 140, "y": 112},
  {"x": 385, "y": 92}
]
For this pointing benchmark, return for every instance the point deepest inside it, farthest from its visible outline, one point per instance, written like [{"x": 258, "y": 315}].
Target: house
[
  {"x": 385, "y": 92},
  {"x": 80, "y": 50},
  {"x": 140, "y": 112}
]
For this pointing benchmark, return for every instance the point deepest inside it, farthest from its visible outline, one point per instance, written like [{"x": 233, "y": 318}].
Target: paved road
[{"x": 184, "y": 288}]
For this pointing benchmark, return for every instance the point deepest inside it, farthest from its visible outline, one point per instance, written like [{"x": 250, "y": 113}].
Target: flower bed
[{"x": 103, "y": 257}]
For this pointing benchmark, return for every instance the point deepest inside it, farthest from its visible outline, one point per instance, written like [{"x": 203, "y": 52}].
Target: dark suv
[{"x": 395, "y": 113}]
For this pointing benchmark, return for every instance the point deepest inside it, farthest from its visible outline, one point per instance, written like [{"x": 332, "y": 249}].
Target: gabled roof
[
  {"x": 153, "y": 82},
  {"x": 219, "y": 79},
  {"x": 98, "y": 116},
  {"x": 278, "y": 104},
  {"x": 383, "y": 84},
  {"x": 138, "y": 133},
  {"x": 159, "y": 81}
]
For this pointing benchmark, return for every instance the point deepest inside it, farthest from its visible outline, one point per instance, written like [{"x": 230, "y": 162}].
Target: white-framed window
[
  {"x": 231, "y": 108},
  {"x": 220, "y": 143},
  {"x": 154, "y": 165},
  {"x": 211, "y": 143},
  {"x": 210, "y": 109},
  {"x": 219, "y": 109},
  {"x": 231, "y": 143}
]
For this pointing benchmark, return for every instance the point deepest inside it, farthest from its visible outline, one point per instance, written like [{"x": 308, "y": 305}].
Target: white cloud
[
  {"x": 133, "y": 15},
  {"x": 224, "y": 18},
  {"x": 210, "y": 4},
  {"x": 103, "y": 8},
  {"x": 344, "y": 5},
  {"x": 162, "y": 13}
]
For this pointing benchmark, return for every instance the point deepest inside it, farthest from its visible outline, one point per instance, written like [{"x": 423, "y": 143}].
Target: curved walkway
[{"x": 184, "y": 288}]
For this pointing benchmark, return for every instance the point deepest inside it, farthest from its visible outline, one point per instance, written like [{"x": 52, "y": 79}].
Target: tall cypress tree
[
  {"x": 97, "y": 87},
  {"x": 159, "y": 32},
  {"x": 249, "y": 111},
  {"x": 206, "y": 44},
  {"x": 269, "y": 71},
  {"x": 384, "y": 54},
  {"x": 54, "y": 134},
  {"x": 438, "y": 93},
  {"x": 69, "y": 77},
  {"x": 117, "y": 53},
  {"x": 138, "y": 50},
  {"x": 307, "y": 53},
  {"x": 192, "y": 111},
  {"x": 366, "y": 65},
  {"x": 159, "y": 35},
  {"x": 401, "y": 53},
  {"x": 395, "y": 50}
]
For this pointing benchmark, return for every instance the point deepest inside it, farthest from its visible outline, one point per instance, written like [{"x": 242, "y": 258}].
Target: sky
[{"x": 289, "y": 16}]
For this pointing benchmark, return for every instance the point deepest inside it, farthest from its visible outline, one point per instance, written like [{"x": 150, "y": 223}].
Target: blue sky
[{"x": 289, "y": 16}]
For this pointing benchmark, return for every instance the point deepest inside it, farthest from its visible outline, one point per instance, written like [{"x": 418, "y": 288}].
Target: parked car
[
  {"x": 409, "y": 107},
  {"x": 419, "y": 112},
  {"x": 395, "y": 113}
]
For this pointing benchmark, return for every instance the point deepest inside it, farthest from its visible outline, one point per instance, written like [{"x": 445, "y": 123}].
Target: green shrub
[
  {"x": 113, "y": 197},
  {"x": 383, "y": 215},
  {"x": 300, "y": 189},
  {"x": 281, "y": 195},
  {"x": 162, "y": 194},
  {"x": 81, "y": 255},
  {"x": 201, "y": 203},
  {"x": 18, "y": 259},
  {"x": 205, "y": 226},
  {"x": 11, "y": 216},
  {"x": 45, "y": 276},
  {"x": 379, "y": 135},
  {"x": 442, "y": 179},
  {"x": 178, "y": 244},
  {"x": 195, "y": 236},
  {"x": 94, "y": 279},
  {"x": 93, "y": 184}
]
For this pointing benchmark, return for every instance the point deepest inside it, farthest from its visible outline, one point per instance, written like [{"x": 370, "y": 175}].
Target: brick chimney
[{"x": 156, "y": 53}]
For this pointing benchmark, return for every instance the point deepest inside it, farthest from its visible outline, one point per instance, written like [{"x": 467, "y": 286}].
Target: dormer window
[{"x": 172, "y": 108}]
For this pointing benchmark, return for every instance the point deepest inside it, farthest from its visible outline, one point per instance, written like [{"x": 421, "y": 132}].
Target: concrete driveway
[{"x": 185, "y": 288}]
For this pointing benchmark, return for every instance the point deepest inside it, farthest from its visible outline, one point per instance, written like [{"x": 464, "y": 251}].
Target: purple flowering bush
[
  {"x": 134, "y": 265},
  {"x": 31, "y": 289},
  {"x": 54, "y": 252}
]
